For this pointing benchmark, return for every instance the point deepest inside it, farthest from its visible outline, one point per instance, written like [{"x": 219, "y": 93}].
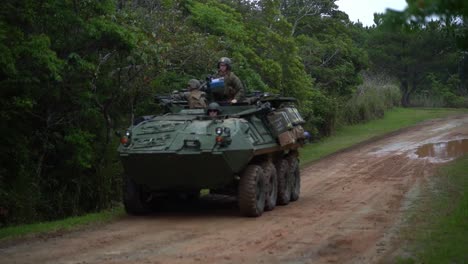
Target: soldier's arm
[{"x": 239, "y": 89}]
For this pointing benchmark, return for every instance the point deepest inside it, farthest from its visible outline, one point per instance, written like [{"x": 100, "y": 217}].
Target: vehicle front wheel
[
  {"x": 252, "y": 191},
  {"x": 135, "y": 202}
]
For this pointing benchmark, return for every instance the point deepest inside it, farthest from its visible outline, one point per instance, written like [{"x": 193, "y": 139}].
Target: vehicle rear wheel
[
  {"x": 272, "y": 185},
  {"x": 133, "y": 198},
  {"x": 284, "y": 185},
  {"x": 252, "y": 190},
  {"x": 295, "y": 178}
]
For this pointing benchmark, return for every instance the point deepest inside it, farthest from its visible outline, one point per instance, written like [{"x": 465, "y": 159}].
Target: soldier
[
  {"x": 196, "y": 98},
  {"x": 213, "y": 109},
  {"x": 233, "y": 88}
]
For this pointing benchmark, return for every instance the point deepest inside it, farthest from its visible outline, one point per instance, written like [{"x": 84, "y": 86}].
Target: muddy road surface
[{"x": 350, "y": 207}]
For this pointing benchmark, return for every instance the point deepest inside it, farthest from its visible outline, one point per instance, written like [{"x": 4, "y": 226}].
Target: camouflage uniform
[
  {"x": 233, "y": 88},
  {"x": 196, "y": 98}
]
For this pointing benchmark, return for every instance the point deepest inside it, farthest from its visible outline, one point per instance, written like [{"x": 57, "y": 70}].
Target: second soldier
[{"x": 196, "y": 98}]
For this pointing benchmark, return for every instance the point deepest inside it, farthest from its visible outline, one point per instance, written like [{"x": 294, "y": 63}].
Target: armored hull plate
[{"x": 175, "y": 171}]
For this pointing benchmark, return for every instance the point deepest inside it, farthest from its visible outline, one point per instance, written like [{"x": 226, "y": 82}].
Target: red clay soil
[{"x": 350, "y": 207}]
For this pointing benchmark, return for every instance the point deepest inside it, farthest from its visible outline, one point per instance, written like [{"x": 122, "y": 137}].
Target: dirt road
[{"x": 350, "y": 206}]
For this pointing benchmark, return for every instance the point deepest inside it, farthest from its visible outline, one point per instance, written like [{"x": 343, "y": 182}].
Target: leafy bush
[
  {"x": 319, "y": 111},
  {"x": 377, "y": 94},
  {"x": 440, "y": 93}
]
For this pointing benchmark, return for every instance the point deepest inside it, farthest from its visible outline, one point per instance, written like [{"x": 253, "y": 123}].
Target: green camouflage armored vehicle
[{"x": 249, "y": 150}]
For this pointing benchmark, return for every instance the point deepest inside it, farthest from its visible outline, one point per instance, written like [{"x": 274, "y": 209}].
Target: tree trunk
[
  {"x": 109, "y": 126},
  {"x": 404, "y": 93}
]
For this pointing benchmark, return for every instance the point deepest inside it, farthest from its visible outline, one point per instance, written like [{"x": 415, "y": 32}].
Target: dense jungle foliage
[{"x": 74, "y": 71}]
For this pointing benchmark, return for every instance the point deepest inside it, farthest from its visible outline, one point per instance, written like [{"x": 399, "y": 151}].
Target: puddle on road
[{"x": 443, "y": 150}]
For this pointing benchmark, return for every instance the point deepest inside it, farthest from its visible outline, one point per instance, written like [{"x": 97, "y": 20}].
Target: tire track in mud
[{"x": 350, "y": 206}]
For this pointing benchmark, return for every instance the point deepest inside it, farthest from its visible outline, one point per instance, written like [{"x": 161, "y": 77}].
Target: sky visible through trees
[{"x": 363, "y": 10}]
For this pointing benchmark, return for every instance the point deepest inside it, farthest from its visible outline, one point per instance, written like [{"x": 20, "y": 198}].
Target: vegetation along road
[{"x": 350, "y": 207}]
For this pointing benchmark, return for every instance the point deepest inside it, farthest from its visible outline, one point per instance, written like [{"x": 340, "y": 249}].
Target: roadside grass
[
  {"x": 436, "y": 228},
  {"x": 394, "y": 119},
  {"x": 345, "y": 137},
  {"x": 60, "y": 225}
]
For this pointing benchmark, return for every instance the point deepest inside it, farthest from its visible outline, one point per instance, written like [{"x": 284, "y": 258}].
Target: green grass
[
  {"x": 60, "y": 225},
  {"x": 348, "y": 136},
  {"x": 437, "y": 226}
]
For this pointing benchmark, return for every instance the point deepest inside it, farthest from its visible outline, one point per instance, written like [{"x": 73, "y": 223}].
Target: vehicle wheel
[
  {"x": 272, "y": 185},
  {"x": 133, "y": 198},
  {"x": 252, "y": 190},
  {"x": 295, "y": 178},
  {"x": 284, "y": 185}
]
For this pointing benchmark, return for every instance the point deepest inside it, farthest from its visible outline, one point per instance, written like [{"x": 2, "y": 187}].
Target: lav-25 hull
[
  {"x": 238, "y": 152},
  {"x": 184, "y": 172}
]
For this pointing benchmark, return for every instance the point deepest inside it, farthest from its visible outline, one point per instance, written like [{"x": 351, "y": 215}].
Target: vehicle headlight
[{"x": 125, "y": 140}]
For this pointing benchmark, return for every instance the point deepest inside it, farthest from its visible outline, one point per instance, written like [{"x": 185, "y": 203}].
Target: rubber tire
[
  {"x": 295, "y": 178},
  {"x": 132, "y": 198},
  {"x": 252, "y": 191},
  {"x": 284, "y": 185},
  {"x": 272, "y": 185}
]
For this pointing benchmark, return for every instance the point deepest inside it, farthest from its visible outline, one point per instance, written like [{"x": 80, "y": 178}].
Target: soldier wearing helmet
[
  {"x": 233, "y": 88},
  {"x": 196, "y": 98},
  {"x": 213, "y": 109}
]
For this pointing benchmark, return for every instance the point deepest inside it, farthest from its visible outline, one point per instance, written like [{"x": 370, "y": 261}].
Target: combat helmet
[
  {"x": 226, "y": 61},
  {"x": 214, "y": 107},
  {"x": 193, "y": 84}
]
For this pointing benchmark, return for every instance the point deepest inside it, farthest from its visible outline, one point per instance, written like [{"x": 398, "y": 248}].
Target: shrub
[{"x": 377, "y": 94}]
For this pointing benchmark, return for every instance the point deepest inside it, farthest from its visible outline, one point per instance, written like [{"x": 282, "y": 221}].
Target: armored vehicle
[{"x": 249, "y": 150}]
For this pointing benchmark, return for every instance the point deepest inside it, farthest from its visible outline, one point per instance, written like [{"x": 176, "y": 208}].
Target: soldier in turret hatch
[
  {"x": 233, "y": 88},
  {"x": 196, "y": 98},
  {"x": 213, "y": 109}
]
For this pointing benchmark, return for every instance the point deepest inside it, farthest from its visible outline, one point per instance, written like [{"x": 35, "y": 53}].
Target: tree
[
  {"x": 410, "y": 51},
  {"x": 61, "y": 64},
  {"x": 299, "y": 11},
  {"x": 453, "y": 12},
  {"x": 454, "y": 15}
]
